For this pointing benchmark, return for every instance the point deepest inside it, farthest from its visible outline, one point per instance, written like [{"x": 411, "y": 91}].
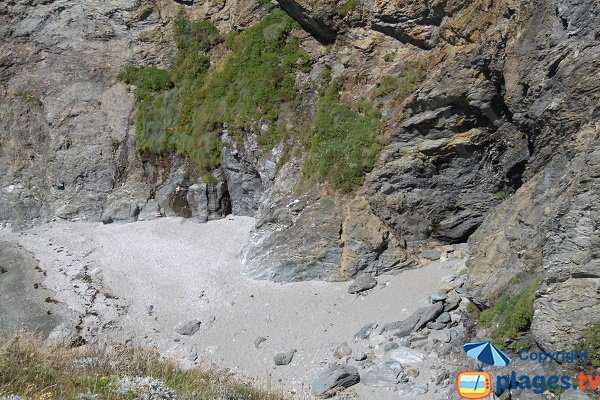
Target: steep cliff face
[{"x": 490, "y": 113}]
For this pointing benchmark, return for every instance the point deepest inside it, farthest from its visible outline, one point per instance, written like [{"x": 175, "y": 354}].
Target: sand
[{"x": 150, "y": 277}]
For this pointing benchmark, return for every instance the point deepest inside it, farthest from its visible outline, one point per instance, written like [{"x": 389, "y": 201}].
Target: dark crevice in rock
[
  {"x": 553, "y": 69},
  {"x": 392, "y": 31},
  {"x": 515, "y": 174},
  {"x": 180, "y": 205},
  {"x": 315, "y": 25}
]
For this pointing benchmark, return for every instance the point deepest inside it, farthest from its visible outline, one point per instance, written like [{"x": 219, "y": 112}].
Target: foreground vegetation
[{"x": 29, "y": 370}]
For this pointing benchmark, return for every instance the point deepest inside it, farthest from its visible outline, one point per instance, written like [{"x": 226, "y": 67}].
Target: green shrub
[
  {"x": 147, "y": 79},
  {"x": 511, "y": 315},
  {"x": 387, "y": 85},
  {"x": 408, "y": 82},
  {"x": 346, "y": 8},
  {"x": 183, "y": 110},
  {"x": 591, "y": 344},
  {"x": 342, "y": 143}
]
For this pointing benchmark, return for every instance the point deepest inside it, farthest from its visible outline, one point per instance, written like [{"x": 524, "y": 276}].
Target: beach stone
[
  {"x": 391, "y": 326},
  {"x": 429, "y": 314},
  {"x": 409, "y": 324},
  {"x": 365, "y": 331},
  {"x": 258, "y": 341},
  {"x": 343, "y": 350},
  {"x": 431, "y": 254},
  {"x": 386, "y": 374},
  {"x": 436, "y": 326},
  {"x": 444, "y": 318},
  {"x": 452, "y": 302},
  {"x": 284, "y": 358},
  {"x": 413, "y": 389},
  {"x": 360, "y": 356},
  {"x": 61, "y": 336},
  {"x": 406, "y": 355},
  {"x": 390, "y": 346},
  {"x": 361, "y": 283},
  {"x": 440, "y": 295},
  {"x": 189, "y": 328},
  {"x": 338, "y": 376}
]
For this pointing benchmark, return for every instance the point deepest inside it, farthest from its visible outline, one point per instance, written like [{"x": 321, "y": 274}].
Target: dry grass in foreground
[{"x": 29, "y": 370}]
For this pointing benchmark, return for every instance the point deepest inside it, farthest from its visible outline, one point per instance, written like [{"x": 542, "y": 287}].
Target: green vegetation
[
  {"x": 346, "y": 8},
  {"x": 387, "y": 85},
  {"x": 30, "y": 370},
  {"x": 343, "y": 142},
  {"x": 511, "y": 315},
  {"x": 502, "y": 194},
  {"x": 591, "y": 344},
  {"x": 388, "y": 57},
  {"x": 183, "y": 110},
  {"x": 403, "y": 85},
  {"x": 114, "y": 143},
  {"x": 29, "y": 99}
]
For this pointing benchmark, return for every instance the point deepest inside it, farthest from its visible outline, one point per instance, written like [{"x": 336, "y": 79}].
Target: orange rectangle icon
[{"x": 474, "y": 385}]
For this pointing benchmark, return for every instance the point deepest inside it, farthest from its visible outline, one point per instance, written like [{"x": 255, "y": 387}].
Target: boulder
[
  {"x": 386, "y": 374},
  {"x": 284, "y": 358},
  {"x": 189, "y": 328},
  {"x": 406, "y": 355},
  {"x": 362, "y": 283},
  {"x": 365, "y": 331},
  {"x": 336, "y": 377}
]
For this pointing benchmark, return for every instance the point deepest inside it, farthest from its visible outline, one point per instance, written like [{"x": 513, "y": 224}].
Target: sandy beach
[{"x": 138, "y": 283}]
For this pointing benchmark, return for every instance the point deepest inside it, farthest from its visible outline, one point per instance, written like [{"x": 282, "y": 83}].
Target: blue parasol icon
[{"x": 486, "y": 353}]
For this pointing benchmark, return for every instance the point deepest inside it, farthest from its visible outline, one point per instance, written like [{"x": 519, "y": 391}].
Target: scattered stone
[
  {"x": 436, "y": 326},
  {"x": 440, "y": 295},
  {"x": 431, "y": 254},
  {"x": 441, "y": 377},
  {"x": 409, "y": 324},
  {"x": 412, "y": 373},
  {"x": 429, "y": 314},
  {"x": 452, "y": 303},
  {"x": 61, "y": 336},
  {"x": 387, "y": 374},
  {"x": 365, "y": 331},
  {"x": 413, "y": 389},
  {"x": 444, "y": 318},
  {"x": 284, "y": 358},
  {"x": 189, "y": 328},
  {"x": 448, "y": 279},
  {"x": 391, "y": 326},
  {"x": 378, "y": 340},
  {"x": 343, "y": 350},
  {"x": 338, "y": 376},
  {"x": 258, "y": 341},
  {"x": 390, "y": 346},
  {"x": 145, "y": 388},
  {"x": 360, "y": 356},
  {"x": 361, "y": 283},
  {"x": 455, "y": 317},
  {"x": 406, "y": 355}
]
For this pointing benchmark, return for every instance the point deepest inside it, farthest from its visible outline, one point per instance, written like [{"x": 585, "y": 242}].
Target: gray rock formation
[
  {"x": 387, "y": 374},
  {"x": 339, "y": 376}
]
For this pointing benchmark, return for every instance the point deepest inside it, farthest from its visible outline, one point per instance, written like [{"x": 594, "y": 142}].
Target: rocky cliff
[{"x": 490, "y": 113}]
